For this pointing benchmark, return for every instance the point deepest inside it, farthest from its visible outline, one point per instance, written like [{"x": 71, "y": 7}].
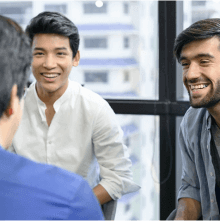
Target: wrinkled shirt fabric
[
  {"x": 34, "y": 191},
  {"x": 198, "y": 174},
  {"x": 83, "y": 137}
]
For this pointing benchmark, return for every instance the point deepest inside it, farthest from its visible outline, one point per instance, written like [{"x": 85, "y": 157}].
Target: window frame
[{"x": 167, "y": 106}]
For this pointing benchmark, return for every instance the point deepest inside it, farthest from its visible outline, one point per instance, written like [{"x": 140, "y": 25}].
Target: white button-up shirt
[{"x": 82, "y": 132}]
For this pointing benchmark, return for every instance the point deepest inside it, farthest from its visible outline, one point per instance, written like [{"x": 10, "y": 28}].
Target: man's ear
[
  {"x": 12, "y": 103},
  {"x": 76, "y": 59}
]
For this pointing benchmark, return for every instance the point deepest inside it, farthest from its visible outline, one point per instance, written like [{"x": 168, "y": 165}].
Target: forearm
[
  {"x": 188, "y": 209},
  {"x": 101, "y": 194}
]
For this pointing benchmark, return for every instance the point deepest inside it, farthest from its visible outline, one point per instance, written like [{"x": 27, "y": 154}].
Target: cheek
[
  {"x": 35, "y": 65},
  {"x": 67, "y": 67},
  {"x": 184, "y": 77}
]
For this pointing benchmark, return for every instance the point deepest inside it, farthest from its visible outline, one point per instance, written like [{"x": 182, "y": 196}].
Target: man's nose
[
  {"x": 49, "y": 62},
  {"x": 193, "y": 72}
]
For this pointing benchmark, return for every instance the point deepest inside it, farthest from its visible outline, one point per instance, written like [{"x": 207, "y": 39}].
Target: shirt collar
[
  {"x": 42, "y": 106},
  {"x": 208, "y": 120},
  {"x": 63, "y": 98}
]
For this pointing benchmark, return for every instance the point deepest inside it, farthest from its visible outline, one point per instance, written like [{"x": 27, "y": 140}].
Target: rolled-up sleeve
[
  {"x": 112, "y": 154},
  {"x": 190, "y": 182}
]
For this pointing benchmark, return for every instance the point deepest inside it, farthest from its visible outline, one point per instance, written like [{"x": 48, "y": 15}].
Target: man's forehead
[
  {"x": 201, "y": 46},
  {"x": 51, "y": 39}
]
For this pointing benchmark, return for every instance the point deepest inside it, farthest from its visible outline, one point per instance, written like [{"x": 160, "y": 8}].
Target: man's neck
[{"x": 49, "y": 98}]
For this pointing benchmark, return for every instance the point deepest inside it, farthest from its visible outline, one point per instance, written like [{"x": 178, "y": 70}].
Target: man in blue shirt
[
  {"x": 197, "y": 49},
  {"x": 31, "y": 190}
]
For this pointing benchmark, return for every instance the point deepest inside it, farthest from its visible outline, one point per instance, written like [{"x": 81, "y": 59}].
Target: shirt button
[
  {"x": 211, "y": 174},
  {"x": 212, "y": 201},
  {"x": 207, "y": 146},
  {"x": 50, "y": 142}
]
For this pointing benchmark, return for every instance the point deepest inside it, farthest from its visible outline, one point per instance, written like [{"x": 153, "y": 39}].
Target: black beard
[{"x": 208, "y": 102}]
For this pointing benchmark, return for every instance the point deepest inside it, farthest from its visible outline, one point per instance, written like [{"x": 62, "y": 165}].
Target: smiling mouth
[
  {"x": 50, "y": 75},
  {"x": 198, "y": 87}
]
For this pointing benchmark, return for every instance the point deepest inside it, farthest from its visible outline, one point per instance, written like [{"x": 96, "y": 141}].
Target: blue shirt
[
  {"x": 30, "y": 190},
  {"x": 198, "y": 174}
]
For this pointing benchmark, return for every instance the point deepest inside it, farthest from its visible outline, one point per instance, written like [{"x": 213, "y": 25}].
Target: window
[
  {"x": 198, "y": 3},
  {"x": 95, "y": 42},
  {"x": 126, "y": 76},
  {"x": 91, "y": 8},
  {"x": 61, "y": 8},
  {"x": 126, "y": 8},
  {"x": 18, "y": 11},
  {"x": 96, "y": 77},
  {"x": 126, "y": 42}
]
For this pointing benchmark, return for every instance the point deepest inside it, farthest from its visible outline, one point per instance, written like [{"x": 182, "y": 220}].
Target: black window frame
[{"x": 167, "y": 106}]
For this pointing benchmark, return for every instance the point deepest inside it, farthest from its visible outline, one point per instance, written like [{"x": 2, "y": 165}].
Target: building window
[
  {"x": 126, "y": 8},
  {"x": 198, "y": 3},
  {"x": 20, "y": 12},
  {"x": 91, "y": 8},
  {"x": 96, "y": 77},
  {"x": 61, "y": 8},
  {"x": 95, "y": 42},
  {"x": 126, "y": 76},
  {"x": 126, "y": 42}
]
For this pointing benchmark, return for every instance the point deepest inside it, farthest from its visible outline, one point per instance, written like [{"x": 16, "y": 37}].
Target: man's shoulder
[
  {"x": 37, "y": 190},
  {"x": 193, "y": 119},
  {"x": 86, "y": 94},
  {"x": 39, "y": 177},
  {"x": 195, "y": 114}
]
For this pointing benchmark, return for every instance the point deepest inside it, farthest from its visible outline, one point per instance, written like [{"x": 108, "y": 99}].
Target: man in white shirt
[{"x": 65, "y": 124}]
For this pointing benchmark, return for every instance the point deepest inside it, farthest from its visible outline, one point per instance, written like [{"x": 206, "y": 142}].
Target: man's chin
[
  {"x": 203, "y": 104},
  {"x": 198, "y": 104}
]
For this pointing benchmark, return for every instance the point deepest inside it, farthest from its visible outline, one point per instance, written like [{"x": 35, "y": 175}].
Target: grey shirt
[{"x": 198, "y": 174}]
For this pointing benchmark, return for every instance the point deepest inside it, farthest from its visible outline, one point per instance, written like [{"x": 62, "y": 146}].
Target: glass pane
[
  {"x": 95, "y": 43},
  {"x": 189, "y": 12},
  {"x": 119, "y": 37},
  {"x": 141, "y": 135},
  {"x": 91, "y": 8},
  {"x": 61, "y": 8},
  {"x": 130, "y": 30},
  {"x": 21, "y": 12}
]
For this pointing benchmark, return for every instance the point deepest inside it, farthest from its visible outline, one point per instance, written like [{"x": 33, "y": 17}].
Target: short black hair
[
  {"x": 202, "y": 29},
  {"x": 54, "y": 23},
  {"x": 15, "y": 60}
]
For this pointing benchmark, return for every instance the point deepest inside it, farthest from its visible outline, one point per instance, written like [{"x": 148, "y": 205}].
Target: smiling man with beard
[{"x": 197, "y": 49}]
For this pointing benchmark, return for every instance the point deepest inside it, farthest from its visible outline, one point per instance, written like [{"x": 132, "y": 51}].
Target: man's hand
[
  {"x": 101, "y": 194},
  {"x": 188, "y": 209}
]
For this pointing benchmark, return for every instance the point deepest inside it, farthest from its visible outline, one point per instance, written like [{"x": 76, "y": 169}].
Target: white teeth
[
  {"x": 201, "y": 86},
  {"x": 50, "y": 75}
]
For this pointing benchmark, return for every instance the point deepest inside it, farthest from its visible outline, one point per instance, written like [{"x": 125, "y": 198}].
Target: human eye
[
  {"x": 204, "y": 61},
  {"x": 61, "y": 53},
  {"x": 38, "y": 54},
  {"x": 184, "y": 64}
]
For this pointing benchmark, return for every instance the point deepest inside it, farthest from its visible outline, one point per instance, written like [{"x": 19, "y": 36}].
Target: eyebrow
[
  {"x": 42, "y": 49},
  {"x": 207, "y": 55}
]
